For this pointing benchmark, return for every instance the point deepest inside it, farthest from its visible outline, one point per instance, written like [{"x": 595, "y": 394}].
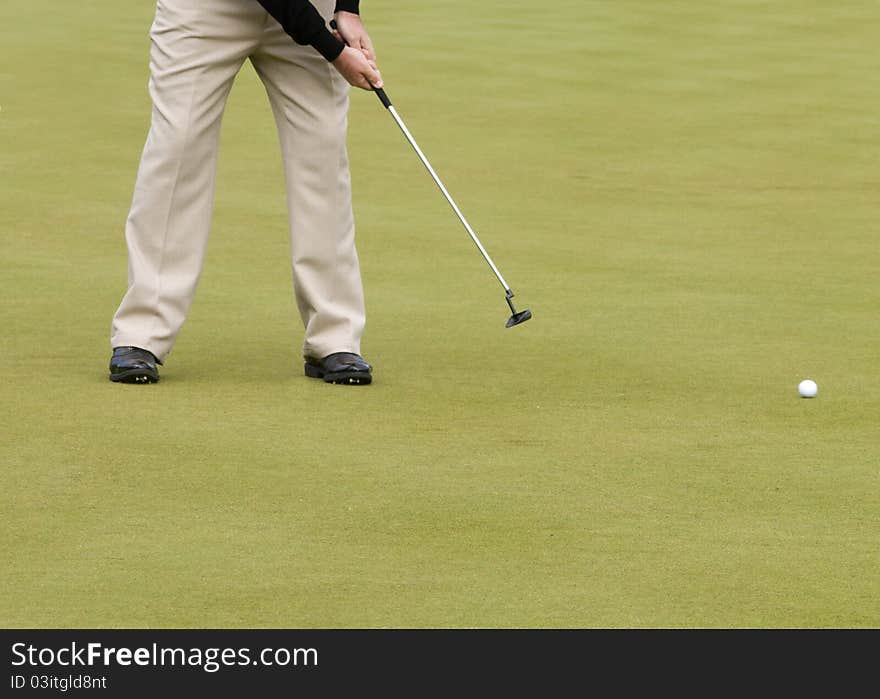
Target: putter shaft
[{"x": 409, "y": 137}]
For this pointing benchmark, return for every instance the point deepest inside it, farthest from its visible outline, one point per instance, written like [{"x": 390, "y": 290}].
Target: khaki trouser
[{"x": 198, "y": 47}]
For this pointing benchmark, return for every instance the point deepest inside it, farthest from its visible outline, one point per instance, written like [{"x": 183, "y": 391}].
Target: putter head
[{"x": 518, "y": 318}]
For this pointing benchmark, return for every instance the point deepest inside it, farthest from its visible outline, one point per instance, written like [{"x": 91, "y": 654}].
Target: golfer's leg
[
  {"x": 197, "y": 49},
  {"x": 310, "y": 102}
]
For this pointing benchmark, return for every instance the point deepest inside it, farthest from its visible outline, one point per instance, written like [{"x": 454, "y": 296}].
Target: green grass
[{"x": 684, "y": 194}]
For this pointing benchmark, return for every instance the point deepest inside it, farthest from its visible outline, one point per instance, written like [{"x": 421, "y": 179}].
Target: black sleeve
[
  {"x": 347, "y": 6},
  {"x": 304, "y": 23}
]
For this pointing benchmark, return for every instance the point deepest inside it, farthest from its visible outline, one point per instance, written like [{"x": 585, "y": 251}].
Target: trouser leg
[
  {"x": 198, "y": 46},
  {"x": 310, "y": 102}
]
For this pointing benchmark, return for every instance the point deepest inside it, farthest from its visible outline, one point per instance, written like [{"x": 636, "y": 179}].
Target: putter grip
[
  {"x": 380, "y": 93},
  {"x": 383, "y": 98}
]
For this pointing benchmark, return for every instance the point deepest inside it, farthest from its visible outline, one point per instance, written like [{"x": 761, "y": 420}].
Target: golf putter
[{"x": 517, "y": 317}]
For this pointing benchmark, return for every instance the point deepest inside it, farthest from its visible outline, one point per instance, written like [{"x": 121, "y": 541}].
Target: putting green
[{"x": 684, "y": 195}]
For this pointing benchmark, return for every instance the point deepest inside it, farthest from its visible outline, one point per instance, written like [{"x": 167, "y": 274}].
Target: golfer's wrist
[
  {"x": 328, "y": 46},
  {"x": 347, "y": 6}
]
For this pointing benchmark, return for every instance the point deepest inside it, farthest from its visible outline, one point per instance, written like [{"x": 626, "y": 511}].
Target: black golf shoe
[
  {"x": 133, "y": 365},
  {"x": 340, "y": 367}
]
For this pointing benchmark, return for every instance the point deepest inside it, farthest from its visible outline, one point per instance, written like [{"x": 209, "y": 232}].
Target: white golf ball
[{"x": 807, "y": 388}]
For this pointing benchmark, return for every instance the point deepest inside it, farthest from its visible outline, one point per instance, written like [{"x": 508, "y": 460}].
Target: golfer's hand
[
  {"x": 358, "y": 69},
  {"x": 350, "y": 30}
]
